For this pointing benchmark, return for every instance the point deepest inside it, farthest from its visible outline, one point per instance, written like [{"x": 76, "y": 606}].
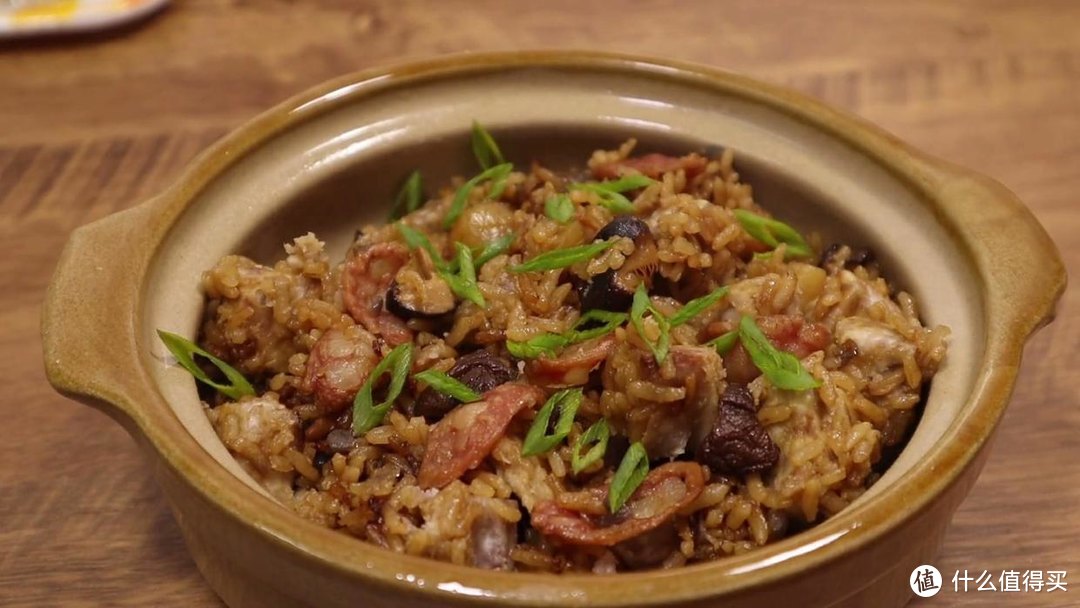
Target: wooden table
[{"x": 92, "y": 125}]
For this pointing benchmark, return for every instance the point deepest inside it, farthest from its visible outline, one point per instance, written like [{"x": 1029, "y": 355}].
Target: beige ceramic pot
[{"x": 329, "y": 160}]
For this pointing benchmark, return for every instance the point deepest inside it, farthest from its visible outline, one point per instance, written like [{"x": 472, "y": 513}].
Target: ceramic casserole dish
[{"x": 965, "y": 247}]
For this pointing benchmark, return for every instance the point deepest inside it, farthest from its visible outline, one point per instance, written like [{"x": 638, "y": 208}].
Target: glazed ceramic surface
[{"x": 330, "y": 161}]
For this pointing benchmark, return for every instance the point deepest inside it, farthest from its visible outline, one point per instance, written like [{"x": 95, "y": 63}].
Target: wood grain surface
[{"x": 94, "y": 124}]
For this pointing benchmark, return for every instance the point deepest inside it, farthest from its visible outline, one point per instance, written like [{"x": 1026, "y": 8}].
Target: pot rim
[{"x": 1009, "y": 323}]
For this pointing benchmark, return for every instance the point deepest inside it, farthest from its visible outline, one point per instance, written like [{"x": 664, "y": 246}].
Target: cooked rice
[{"x": 265, "y": 321}]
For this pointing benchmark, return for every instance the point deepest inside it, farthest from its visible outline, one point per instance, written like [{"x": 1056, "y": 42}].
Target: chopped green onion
[
  {"x": 724, "y": 343},
  {"x": 697, "y": 306},
  {"x": 549, "y": 344},
  {"x": 537, "y": 440},
  {"x": 605, "y": 316},
  {"x": 559, "y": 207},
  {"x": 185, "y": 350},
  {"x": 544, "y": 344},
  {"x": 464, "y": 282},
  {"x": 494, "y": 248},
  {"x": 640, "y": 306},
  {"x": 447, "y": 385},
  {"x": 627, "y": 183},
  {"x": 773, "y": 232},
  {"x": 561, "y": 258},
  {"x": 497, "y": 176},
  {"x": 614, "y": 201},
  {"x": 631, "y": 472},
  {"x": 498, "y": 183},
  {"x": 611, "y": 192},
  {"x": 459, "y": 273},
  {"x": 783, "y": 369},
  {"x": 487, "y": 253},
  {"x": 596, "y": 437},
  {"x": 417, "y": 240},
  {"x": 409, "y": 197},
  {"x": 608, "y": 322},
  {"x": 468, "y": 273},
  {"x": 484, "y": 147},
  {"x": 367, "y": 415}
]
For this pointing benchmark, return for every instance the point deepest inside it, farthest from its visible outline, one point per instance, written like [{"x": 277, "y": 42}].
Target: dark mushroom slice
[
  {"x": 827, "y": 256},
  {"x": 413, "y": 296},
  {"x": 317, "y": 430},
  {"x": 320, "y": 458},
  {"x": 737, "y": 443},
  {"x": 649, "y": 549},
  {"x": 624, "y": 225},
  {"x": 847, "y": 351},
  {"x": 605, "y": 294},
  {"x": 861, "y": 256},
  {"x": 479, "y": 370},
  {"x": 490, "y": 540},
  {"x": 613, "y": 290},
  {"x": 338, "y": 441},
  {"x": 855, "y": 256}
]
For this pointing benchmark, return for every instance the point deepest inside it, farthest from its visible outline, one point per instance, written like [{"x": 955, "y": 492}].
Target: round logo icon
[{"x": 925, "y": 581}]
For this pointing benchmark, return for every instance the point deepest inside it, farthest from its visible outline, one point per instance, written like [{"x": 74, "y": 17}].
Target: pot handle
[
  {"x": 1021, "y": 267},
  {"x": 87, "y": 321}
]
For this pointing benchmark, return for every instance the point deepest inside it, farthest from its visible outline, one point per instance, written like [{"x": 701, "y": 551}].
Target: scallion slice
[
  {"x": 410, "y": 196},
  {"x": 497, "y": 176},
  {"x": 484, "y": 148},
  {"x": 561, "y": 258},
  {"x": 626, "y": 183},
  {"x": 417, "y": 240},
  {"x": 459, "y": 273},
  {"x": 610, "y": 193},
  {"x": 550, "y": 344},
  {"x": 783, "y": 369},
  {"x": 725, "y": 342},
  {"x": 594, "y": 441},
  {"x": 638, "y": 309},
  {"x": 486, "y": 254},
  {"x": 538, "y": 440},
  {"x": 185, "y": 350},
  {"x": 494, "y": 248},
  {"x": 464, "y": 282},
  {"x": 447, "y": 385},
  {"x": 631, "y": 472},
  {"x": 544, "y": 344},
  {"x": 608, "y": 322},
  {"x": 773, "y": 232},
  {"x": 559, "y": 207},
  {"x": 616, "y": 202},
  {"x": 366, "y": 414},
  {"x": 697, "y": 306}
]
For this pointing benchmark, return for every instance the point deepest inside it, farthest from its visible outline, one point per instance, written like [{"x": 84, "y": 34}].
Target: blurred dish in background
[{"x": 19, "y": 18}]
